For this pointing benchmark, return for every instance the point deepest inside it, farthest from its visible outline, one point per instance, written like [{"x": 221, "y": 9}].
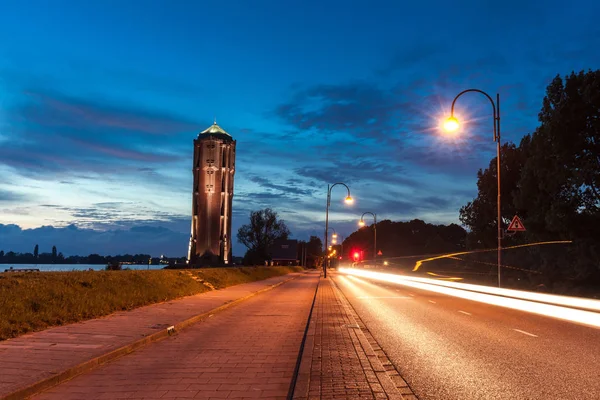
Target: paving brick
[
  {"x": 339, "y": 363},
  {"x": 33, "y": 357},
  {"x": 260, "y": 326}
]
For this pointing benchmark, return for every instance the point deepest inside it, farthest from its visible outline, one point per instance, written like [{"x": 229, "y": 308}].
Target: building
[
  {"x": 212, "y": 195},
  {"x": 284, "y": 252}
]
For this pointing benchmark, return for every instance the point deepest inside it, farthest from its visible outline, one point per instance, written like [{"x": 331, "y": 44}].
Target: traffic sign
[
  {"x": 379, "y": 253},
  {"x": 516, "y": 225}
]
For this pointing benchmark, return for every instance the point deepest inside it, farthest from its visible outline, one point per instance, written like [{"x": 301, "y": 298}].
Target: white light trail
[
  {"x": 568, "y": 314},
  {"x": 567, "y": 301}
]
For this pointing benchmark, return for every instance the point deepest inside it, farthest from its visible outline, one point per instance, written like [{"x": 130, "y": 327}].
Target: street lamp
[
  {"x": 333, "y": 235},
  {"x": 347, "y": 200},
  {"x": 362, "y": 223},
  {"x": 452, "y": 124}
]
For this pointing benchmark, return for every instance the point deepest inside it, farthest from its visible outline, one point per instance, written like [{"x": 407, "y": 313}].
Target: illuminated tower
[{"x": 212, "y": 195}]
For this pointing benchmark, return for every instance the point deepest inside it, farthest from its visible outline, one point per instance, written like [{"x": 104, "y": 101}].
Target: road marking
[
  {"x": 525, "y": 333},
  {"x": 432, "y": 302},
  {"x": 410, "y": 294},
  {"x": 382, "y": 297},
  {"x": 464, "y": 312}
]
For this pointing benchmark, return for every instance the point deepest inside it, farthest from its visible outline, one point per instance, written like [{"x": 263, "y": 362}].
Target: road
[{"x": 451, "y": 348}]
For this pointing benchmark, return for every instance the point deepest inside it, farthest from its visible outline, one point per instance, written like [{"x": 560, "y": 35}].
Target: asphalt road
[{"x": 450, "y": 348}]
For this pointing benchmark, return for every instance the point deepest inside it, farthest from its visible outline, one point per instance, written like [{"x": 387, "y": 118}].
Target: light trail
[
  {"x": 420, "y": 262},
  {"x": 446, "y": 277},
  {"x": 588, "y": 318},
  {"x": 565, "y": 301}
]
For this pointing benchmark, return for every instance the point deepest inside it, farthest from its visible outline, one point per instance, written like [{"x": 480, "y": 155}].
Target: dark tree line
[
  {"x": 58, "y": 258},
  {"x": 416, "y": 237},
  {"x": 552, "y": 181}
]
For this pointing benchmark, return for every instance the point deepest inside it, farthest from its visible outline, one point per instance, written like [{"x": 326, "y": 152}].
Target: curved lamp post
[
  {"x": 348, "y": 200},
  {"x": 452, "y": 124},
  {"x": 362, "y": 223}
]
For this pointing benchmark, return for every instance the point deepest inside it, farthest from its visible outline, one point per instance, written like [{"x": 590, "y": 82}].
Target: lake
[{"x": 73, "y": 267}]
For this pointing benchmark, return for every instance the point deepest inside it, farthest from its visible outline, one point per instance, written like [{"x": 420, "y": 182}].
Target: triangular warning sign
[
  {"x": 379, "y": 253},
  {"x": 516, "y": 225}
]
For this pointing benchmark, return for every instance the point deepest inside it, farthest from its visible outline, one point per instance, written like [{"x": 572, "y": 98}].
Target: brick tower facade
[{"x": 212, "y": 195}]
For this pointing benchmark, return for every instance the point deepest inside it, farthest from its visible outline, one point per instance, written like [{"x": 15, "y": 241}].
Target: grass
[{"x": 36, "y": 301}]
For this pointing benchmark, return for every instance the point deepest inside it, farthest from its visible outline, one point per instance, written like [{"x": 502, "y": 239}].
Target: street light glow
[
  {"x": 361, "y": 223},
  {"x": 349, "y": 200},
  {"x": 334, "y": 236},
  {"x": 451, "y": 124}
]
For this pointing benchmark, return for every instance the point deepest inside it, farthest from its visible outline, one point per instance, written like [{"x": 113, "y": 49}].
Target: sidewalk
[
  {"x": 247, "y": 351},
  {"x": 338, "y": 361},
  {"x": 39, "y": 360}
]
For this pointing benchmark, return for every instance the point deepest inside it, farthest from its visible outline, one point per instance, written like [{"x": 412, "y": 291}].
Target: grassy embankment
[{"x": 35, "y": 301}]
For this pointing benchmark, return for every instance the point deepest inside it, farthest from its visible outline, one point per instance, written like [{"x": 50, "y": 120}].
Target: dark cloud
[
  {"x": 120, "y": 215},
  {"x": 61, "y": 136},
  {"x": 359, "y": 108},
  {"x": 287, "y": 188},
  {"x": 9, "y": 196},
  {"x": 55, "y": 110}
]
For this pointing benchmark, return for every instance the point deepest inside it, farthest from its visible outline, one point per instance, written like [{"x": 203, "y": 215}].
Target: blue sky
[{"x": 100, "y": 102}]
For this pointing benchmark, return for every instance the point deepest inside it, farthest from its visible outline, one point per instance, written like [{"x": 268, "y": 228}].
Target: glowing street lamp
[
  {"x": 452, "y": 124},
  {"x": 362, "y": 223},
  {"x": 347, "y": 200}
]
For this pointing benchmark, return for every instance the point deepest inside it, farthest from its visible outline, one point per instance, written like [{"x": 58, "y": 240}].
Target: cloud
[
  {"x": 9, "y": 196},
  {"x": 360, "y": 108},
  {"x": 55, "y": 135},
  {"x": 119, "y": 215},
  {"x": 72, "y": 240},
  {"x": 287, "y": 188},
  {"x": 52, "y": 109}
]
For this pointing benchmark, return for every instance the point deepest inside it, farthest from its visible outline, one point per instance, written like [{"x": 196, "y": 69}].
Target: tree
[
  {"x": 481, "y": 215},
  {"x": 36, "y": 251},
  {"x": 314, "y": 251},
  {"x": 415, "y": 237},
  {"x": 54, "y": 253},
  {"x": 260, "y": 234},
  {"x": 552, "y": 181}
]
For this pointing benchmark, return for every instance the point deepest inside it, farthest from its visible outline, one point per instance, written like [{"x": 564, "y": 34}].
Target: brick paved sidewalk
[
  {"x": 29, "y": 359},
  {"x": 338, "y": 362},
  {"x": 247, "y": 351}
]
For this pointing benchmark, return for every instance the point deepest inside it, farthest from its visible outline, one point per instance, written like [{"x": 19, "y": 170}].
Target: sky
[{"x": 100, "y": 102}]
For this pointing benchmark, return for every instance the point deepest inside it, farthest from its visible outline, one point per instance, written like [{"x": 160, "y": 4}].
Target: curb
[
  {"x": 89, "y": 365},
  {"x": 302, "y": 384},
  {"x": 389, "y": 377},
  {"x": 301, "y": 372}
]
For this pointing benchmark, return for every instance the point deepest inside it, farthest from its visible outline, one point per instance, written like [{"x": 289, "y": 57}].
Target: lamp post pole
[
  {"x": 374, "y": 233},
  {"x": 348, "y": 200},
  {"x": 496, "y": 108}
]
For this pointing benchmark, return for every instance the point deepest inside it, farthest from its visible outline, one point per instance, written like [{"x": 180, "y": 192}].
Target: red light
[
  {"x": 340, "y": 258},
  {"x": 356, "y": 255}
]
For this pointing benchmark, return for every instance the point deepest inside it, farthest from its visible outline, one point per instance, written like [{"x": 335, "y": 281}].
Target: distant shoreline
[{"x": 76, "y": 267}]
